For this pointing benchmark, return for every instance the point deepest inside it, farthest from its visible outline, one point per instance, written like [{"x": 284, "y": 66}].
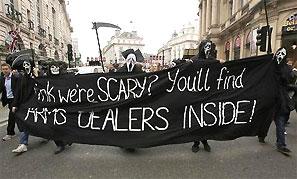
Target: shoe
[
  {"x": 59, "y": 149},
  {"x": 7, "y": 137},
  {"x": 195, "y": 148},
  {"x": 285, "y": 133},
  {"x": 261, "y": 140},
  {"x": 20, "y": 149},
  {"x": 284, "y": 150},
  {"x": 206, "y": 147}
]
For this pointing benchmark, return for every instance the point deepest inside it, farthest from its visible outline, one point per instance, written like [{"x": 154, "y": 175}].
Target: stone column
[
  {"x": 200, "y": 21},
  {"x": 203, "y": 17},
  {"x": 208, "y": 14},
  {"x": 214, "y": 12},
  {"x": 234, "y": 7}
]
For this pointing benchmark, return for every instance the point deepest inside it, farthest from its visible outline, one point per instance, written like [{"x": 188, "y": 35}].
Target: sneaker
[
  {"x": 284, "y": 150},
  {"x": 195, "y": 148},
  {"x": 59, "y": 149},
  {"x": 285, "y": 133},
  {"x": 20, "y": 149},
  {"x": 7, "y": 137}
]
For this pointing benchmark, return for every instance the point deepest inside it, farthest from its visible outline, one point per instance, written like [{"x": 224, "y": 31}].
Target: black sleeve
[
  {"x": 17, "y": 92},
  {"x": 1, "y": 84}
]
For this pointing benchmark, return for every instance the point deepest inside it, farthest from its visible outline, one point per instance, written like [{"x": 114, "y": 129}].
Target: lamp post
[{"x": 96, "y": 25}]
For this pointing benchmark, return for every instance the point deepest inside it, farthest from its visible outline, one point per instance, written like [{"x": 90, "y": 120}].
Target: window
[
  {"x": 38, "y": 13},
  {"x": 227, "y": 51},
  {"x": 47, "y": 10},
  {"x": 237, "y": 45},
  {"x": 242, "y": 3},
  {"x": 248, "y": 44},
  {"x": 230, "y": 8},
  {"x": 28, "y": 15},
  {"x": 54, "y": 21}
]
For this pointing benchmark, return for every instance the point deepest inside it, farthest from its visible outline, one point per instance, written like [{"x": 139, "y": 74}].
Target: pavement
[
  {"x": 241, "y": 158},
  {"x": 3, "y": 115}
]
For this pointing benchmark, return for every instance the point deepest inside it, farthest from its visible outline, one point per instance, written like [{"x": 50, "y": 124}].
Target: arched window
[
  {"x": 248, "y": 43},
  {"x": 227, "y": 51},
  {"x": 237, "y": 44}
]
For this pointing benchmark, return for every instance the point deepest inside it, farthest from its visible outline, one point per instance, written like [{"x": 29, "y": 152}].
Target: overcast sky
[{"x": 154, "y": 20}]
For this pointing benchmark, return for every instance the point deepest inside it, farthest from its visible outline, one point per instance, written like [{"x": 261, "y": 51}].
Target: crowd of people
[{"x": 15, "y": 88}]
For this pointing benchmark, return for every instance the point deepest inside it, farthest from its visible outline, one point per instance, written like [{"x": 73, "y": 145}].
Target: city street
[{"x": 241, "y": 158}]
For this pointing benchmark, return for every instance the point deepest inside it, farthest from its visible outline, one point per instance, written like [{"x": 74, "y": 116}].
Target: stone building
[
  {"x": 120, "y": 42},
  {"x": 42, "y": 25},
  {"x": 233, "y": 24}
]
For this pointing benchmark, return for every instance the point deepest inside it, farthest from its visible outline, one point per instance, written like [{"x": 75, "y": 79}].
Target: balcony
[
  {"x": 41, "y": 32},
  {"x": 13, "y": 14},
  {"x": 30, "y": 25},
  {"x": 56, "y": 41}
]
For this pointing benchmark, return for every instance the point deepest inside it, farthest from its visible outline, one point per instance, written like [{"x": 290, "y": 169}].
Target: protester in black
[
  {"x": 284, "y": 75},
  {"x": 131, "y": 66},
  {"x": 206, "y": 54}
]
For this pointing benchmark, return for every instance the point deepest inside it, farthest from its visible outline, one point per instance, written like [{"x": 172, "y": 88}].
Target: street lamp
[{"x": 96, "y": 25}]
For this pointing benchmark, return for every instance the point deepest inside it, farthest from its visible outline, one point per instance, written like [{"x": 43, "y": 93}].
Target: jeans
[
  {"x": 24, "y": 137},
  {"x": 280, "y": 121}
]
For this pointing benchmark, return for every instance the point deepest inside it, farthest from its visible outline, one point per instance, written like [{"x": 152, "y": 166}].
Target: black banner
[{"x": 193, "y": 101}]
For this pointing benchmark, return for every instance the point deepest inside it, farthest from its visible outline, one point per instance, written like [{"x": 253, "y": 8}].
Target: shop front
[{"x": 289, "y": 37}]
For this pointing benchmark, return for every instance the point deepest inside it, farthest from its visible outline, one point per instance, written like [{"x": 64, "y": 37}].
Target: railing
[{"x": 13, "y": 14}]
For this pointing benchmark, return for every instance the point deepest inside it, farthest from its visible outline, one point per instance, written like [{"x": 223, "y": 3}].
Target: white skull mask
[
  {"x": 280, "y": 55},
  {"x": 172, "y": 64},
  {"x": 55, "y": 70},
  {"x": 131, "y": 61},
  {"x": 207, "y": 48},
  {"x": 27, "y": 67}
]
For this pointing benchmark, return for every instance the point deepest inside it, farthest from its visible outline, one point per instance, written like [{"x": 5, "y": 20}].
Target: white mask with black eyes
[
  {"x": 280, "y": 55},
  {"x": 27, "y": 67},
  {"x": 172, "y": 64},
  {"x": 207, "y": 48},
  {"x": 131, "y": 61},
  {"x": 55, "y": 70}
]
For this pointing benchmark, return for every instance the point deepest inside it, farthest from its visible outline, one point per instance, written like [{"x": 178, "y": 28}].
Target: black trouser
[
  {"x": 11, "y": 119},
  {"x": 59, "y": 143},
  {"x": 204, "y": 142}
]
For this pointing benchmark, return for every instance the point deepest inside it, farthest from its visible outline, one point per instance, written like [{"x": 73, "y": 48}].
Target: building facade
[
  {"x": 233, "y": 24},
  {"x": 120, "y": 42},
  {"x": 42, "y": 25},
  {"x": 186, "y": 39}
]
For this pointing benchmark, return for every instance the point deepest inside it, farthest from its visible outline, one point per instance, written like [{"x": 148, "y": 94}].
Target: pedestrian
[
  {"x": 54, "y": 72},
  {"x": 24, "y": 90},
  {"x": 285, "y": 75},
  {"x": 206, "y": 55},
  {"x": 131, "y": 66},
  {"x": 7, "y": 88}
]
